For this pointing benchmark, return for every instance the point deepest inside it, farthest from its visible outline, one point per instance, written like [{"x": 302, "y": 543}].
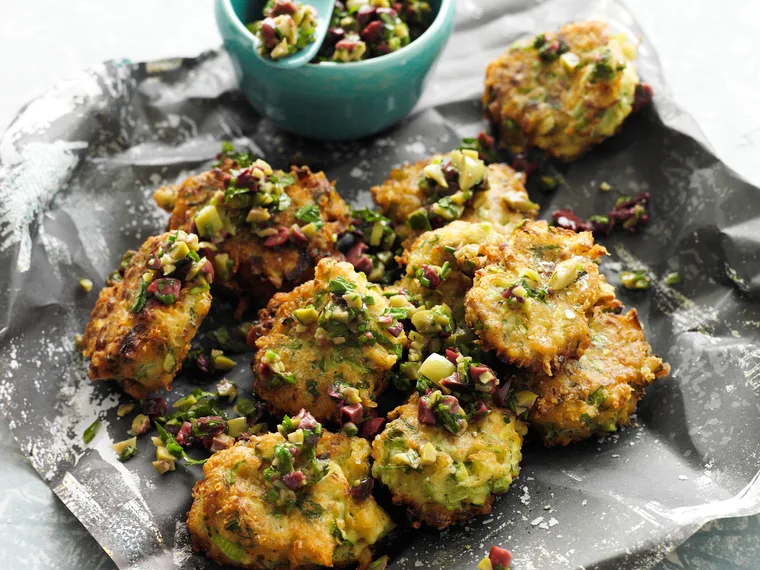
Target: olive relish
[
  {"x": 455, "y": 389},
  {"x": 175, "y": 263},
  {"x": 450, "y": 182},
  {"x": 198, "y": 419},
  {"x": 329, "y": 346},
  {"x": 294, "y": 465},
  {"x": 252, "y": 196},
  {"x": 363, "y": 29},
  {"x": 287, "y": 28},
  {"x": 371, "y": 246}
]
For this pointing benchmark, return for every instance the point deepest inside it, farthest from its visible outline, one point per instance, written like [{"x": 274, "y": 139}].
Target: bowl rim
[{"x": 415, "y": 45}]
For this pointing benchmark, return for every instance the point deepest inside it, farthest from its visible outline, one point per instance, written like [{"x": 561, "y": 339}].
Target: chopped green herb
[
  {"x": 309, "y": 214},
  {"x": 127, "y": 453},
  {"x": 603, "y": 68},
  {"x": 340, "y": 286},
  {"x": 243, "y": 159},
  {"x": 312, "y": 388},
  {"x": 140, "y": 298}
]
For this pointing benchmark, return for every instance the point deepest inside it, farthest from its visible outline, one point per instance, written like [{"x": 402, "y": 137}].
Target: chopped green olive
[{"x": 208, "y": 221}]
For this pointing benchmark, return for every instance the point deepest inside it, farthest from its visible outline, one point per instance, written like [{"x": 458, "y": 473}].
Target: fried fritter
[
  {"x": 533, "y": 306},
  {"x": 433, "y": 192},
  {"x": 440, "y": 263},
  {"x": 444, "y": 478},
  {"x": 562, "y": 92},
  {"x": 142, "y": 324},
  {"x": 258, "y": 507},
  {"x": 264, "y": 230},
  {"x": 597, "y": 393},
  {"x": 327, "y": 346}
]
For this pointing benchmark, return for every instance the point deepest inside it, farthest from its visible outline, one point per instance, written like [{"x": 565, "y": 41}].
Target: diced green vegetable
[
  {"x": 236, "y": 426},
  {"x": 672, "y": 278},
  {"x": 91, "y": 431}
]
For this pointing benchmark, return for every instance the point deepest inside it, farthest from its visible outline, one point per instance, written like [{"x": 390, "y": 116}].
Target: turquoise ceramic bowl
[{"x": 334, "y": 101}]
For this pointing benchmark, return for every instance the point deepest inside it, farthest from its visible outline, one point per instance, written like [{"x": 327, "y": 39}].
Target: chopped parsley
[
  {"x": 309, "y": 214},
  {"x": 140, "y": 298}
]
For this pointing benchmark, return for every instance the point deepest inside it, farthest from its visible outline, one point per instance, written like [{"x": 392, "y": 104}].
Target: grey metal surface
[{"x": 43, "y": 41}]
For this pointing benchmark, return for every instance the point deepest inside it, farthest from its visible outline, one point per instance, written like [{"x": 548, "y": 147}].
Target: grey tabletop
[{"x": 708, "y": 51}]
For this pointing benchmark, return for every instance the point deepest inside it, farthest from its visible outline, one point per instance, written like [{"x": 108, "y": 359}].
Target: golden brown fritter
[
  {"x": 444, "y": 478},
  {"x": 235, "y": 520},
  {"x": 327, "y": 346},
  {"x": 562, "y": 92},
  {"x": 141, "y": 326},
  {"x": 533, "y": 306},
  {"x": 410, "y": 191},
  {"x": 440, "y": 263},
  {"x": 264, "y": 230},
  {"x": 597, "y": 393},
  {"x": 506, "y": 203}
]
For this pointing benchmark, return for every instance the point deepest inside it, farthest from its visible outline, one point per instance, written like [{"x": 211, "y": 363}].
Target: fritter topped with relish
[
  {"x": 597, "y": 393},
  {"x": 145, "y": 318},
  {"x": 440, "y": 263},
  {"x": 296, "y": 499},
  {"x": 445, "y": 469},
  {"x": 455, "y": 186},
  {"x": 533, "y": 304},
  {"x": 263, "y": 229},
  {"x": 562, "y": 92},
  {"x": 328, "y": 346}
]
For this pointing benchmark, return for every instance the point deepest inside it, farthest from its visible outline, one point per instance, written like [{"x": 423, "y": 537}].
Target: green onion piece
[
  {"x": 91, "y": 431},
  {"x": 672, "y": 278}
]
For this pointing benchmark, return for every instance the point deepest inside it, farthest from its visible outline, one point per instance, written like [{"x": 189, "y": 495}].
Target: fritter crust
[
  {"x": 143, "y": 350},
  {"x": 458, "y": 244},
  {"x": 325, "y": 355},
  {"x": 597, "y": 393},
  {"x": 468, "y": 470},
  {"x": 232, "y": 520},
  {"x": 562, "y": 92},
  {"x": 532, "y": 306},
  {"x": 504, "y": 203},
  {"x": 252, "y": 267}
]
